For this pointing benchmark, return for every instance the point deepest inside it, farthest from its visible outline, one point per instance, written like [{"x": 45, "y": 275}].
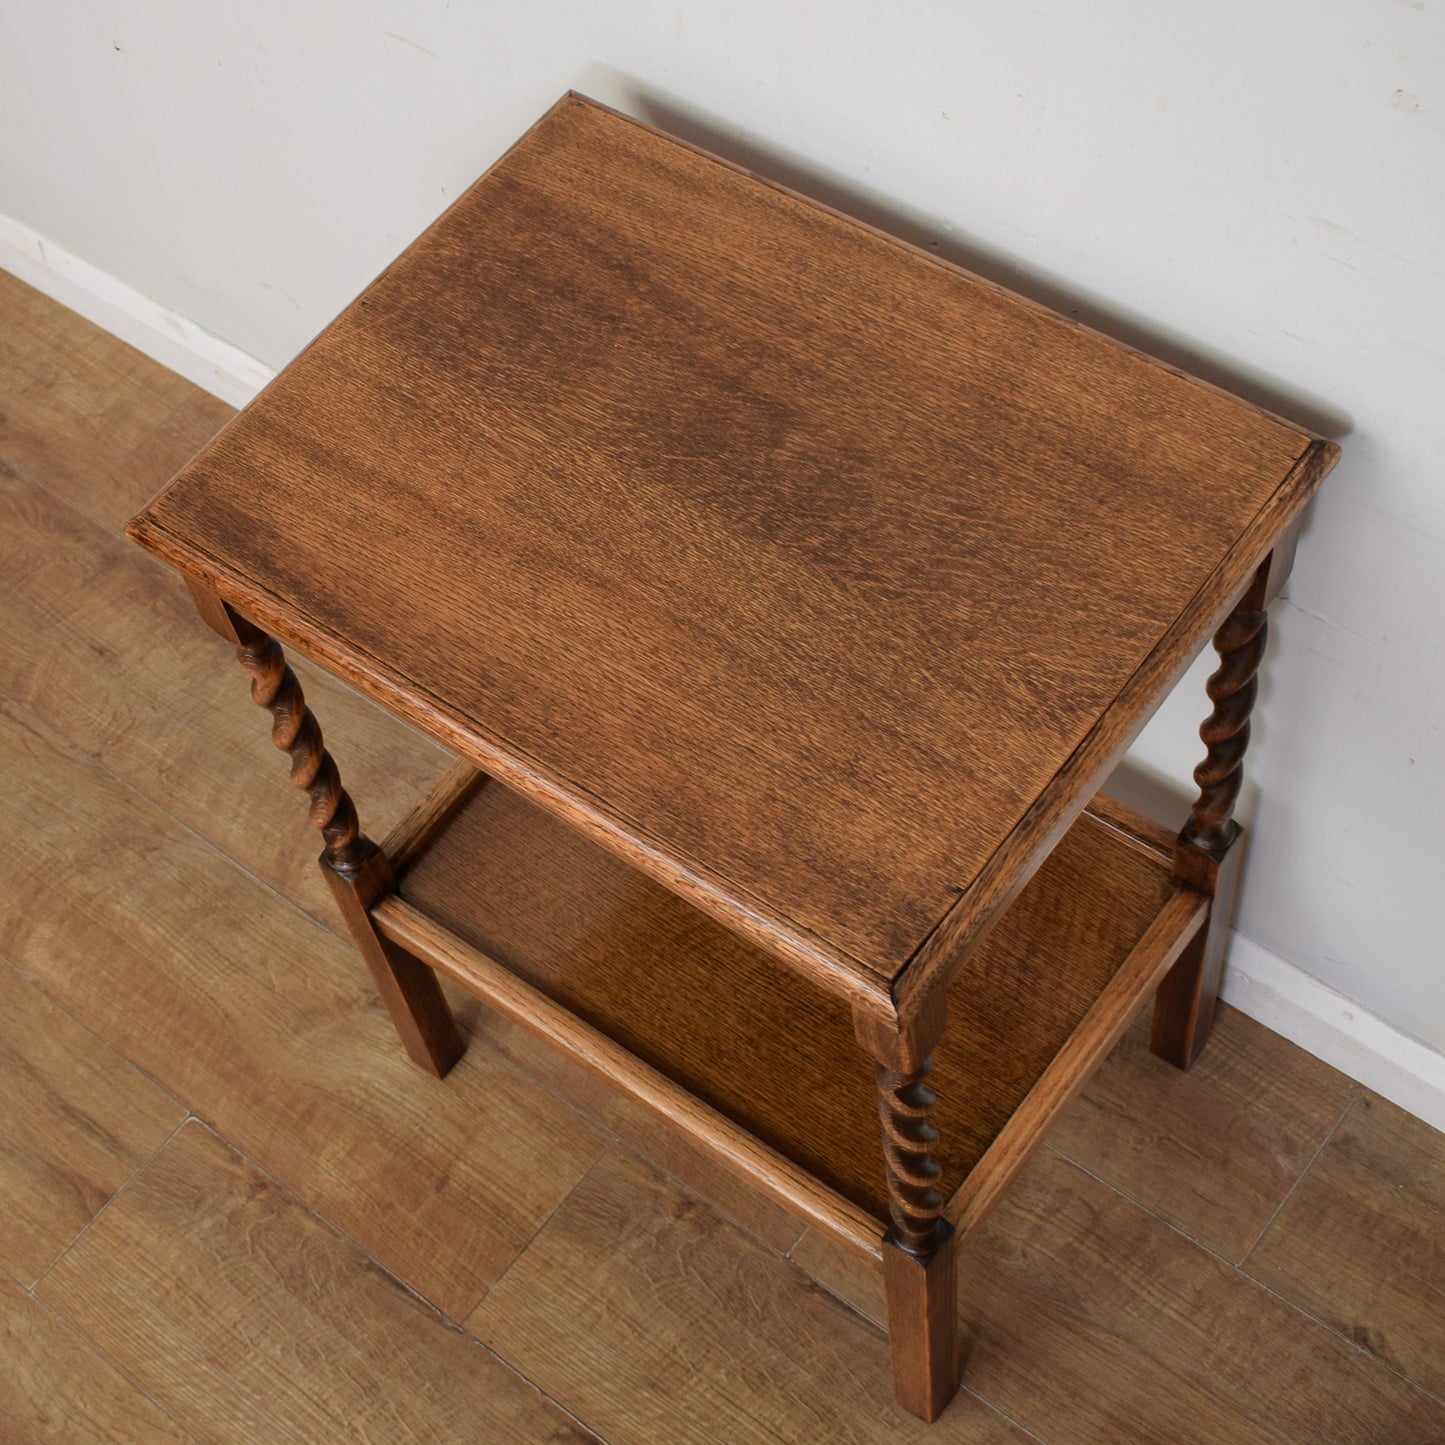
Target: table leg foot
[
  {"x": 408, "y": 988},
  {"x": 1185, "y": 1002},
  {"x": 918, "y": 1250},
  {"x": 922, "y": 1324}
]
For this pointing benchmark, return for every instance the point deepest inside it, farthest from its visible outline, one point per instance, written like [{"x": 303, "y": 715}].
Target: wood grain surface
[
  {"x": 499, "y": 988},
  {"x": 664, "y": 980},
  {"x": 266, "y": 1025},
  {"x": 639, "y": 1127},
  {"x": 55, "y": 1388},
  {"x": 251, "y": 1320},
  {"x": 76, "y": 402},
  {"x": 1214, "y": 1151},
  {"x": 793, "y": 563},
  {"x": 1129, "y": 1329},
  {"x": 1069, "y": 1285},
  {"x": 76, "y": 1122},
  {"x": 163, "y": 704},
  {"x": 1360, "y": 1243},
  {"x": 652, "y": 1318}
]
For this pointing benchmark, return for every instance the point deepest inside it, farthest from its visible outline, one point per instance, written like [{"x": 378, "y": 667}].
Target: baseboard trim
[
  {"x": 1257, "y": 982},
  {"x": 162, "y": 334},
  {"x": 1330, "y": 1026}
]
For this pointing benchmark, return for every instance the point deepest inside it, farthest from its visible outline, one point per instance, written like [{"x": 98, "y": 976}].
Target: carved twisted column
[
  {"x": 355, "y": 869},
  {"x": 1225, "y": 732},
  {"x": 1207, "y": 855},
  {"x": 294, "y": 730},
  {"x": 915, "y": 1204},
  {"x": 919, "y": 1258}
]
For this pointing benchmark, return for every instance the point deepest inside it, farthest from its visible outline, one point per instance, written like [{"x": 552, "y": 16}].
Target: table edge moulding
[{"x": 881, "y": 1065}]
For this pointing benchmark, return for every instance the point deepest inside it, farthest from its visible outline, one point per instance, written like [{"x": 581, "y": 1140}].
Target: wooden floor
[{"x": 230, "y": 1209}]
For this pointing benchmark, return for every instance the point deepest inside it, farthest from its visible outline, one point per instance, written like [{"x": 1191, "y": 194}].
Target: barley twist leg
[
  {"x": 1232, "y": 689},
  {"x": 356, "y": 870},
  {"x": 919, "y": 1268},
  {"x": 915, "y": 1204},
  {"x": 1207, "y": 855},
  {"x": 295, "y": 731}
]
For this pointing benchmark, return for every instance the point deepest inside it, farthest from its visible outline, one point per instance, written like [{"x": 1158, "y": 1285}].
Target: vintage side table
[{"x": 785, "y": 594}]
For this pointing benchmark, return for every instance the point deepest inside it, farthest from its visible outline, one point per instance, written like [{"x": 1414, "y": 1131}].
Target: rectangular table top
[{"x": 815, "y": 575}]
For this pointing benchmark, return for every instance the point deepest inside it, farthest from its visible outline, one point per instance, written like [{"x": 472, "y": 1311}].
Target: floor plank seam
[
  {"x": 1349, "y": 1339},
  {"x": 536, "y": 1233},
  {"x": 527, "y": 1380},
  {"x": 1242, "y": 1271},
  {"x": 301, "y": 1203},
  {"x": 967, "y": 1389},
  {"x": 105, "y": 1043},
  {"x": 22, "y": 706},
  {"x": 1290, "y": 1192},
  {"x": 339, "y": 1233},
  {"x": 99, "y": 1213},
  {"x": 1143, "y": 1208},
  {"x": 89, "y": 1344}
]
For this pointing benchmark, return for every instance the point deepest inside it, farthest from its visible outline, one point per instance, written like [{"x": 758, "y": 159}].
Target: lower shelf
[{"x": 1034, "y": 1008}]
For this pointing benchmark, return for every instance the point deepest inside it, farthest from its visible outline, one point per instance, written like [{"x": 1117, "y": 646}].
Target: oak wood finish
[
  {"x": 1208, "y": 853},
  {"x": 698, "y": 515},
  {"x": 430, "y": 815},
  {"x": 1178, "y": 923},
  {"x": 657, "y": 1138},
  {"x": 1213, "y": 1151},
  {"x": 1360, "y": 1243},
  {"x": 659, "y": 978},
  {"x": 53, "y": 1387},
  {"x": 832, "y": 498},
  {"x": 314, "y": 1346},
  {"x": 407, "y": 987},
  {"x": 1101, "y": 1316},
  {"x": 918, "y": 1248},
  {"x": 922, "y": 1291},
  {"x": 295, "y": 731},
  {"x": 1069, "y": 1283},
  {"x": 915, "y": 1198},
  {"x": 356, "y": 871},
  {"x": 75, "y": 405},
  {"x": 654, "y": 1319},
  {"x": 160, "y": 707},
  {"x": 498, "y": 986}
]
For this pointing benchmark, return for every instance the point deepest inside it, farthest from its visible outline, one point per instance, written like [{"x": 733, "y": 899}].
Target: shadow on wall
[{"x": 783, "y": 168}]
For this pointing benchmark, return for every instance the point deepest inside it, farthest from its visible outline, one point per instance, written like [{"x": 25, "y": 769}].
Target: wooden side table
[{"x": 785, "y": 594}]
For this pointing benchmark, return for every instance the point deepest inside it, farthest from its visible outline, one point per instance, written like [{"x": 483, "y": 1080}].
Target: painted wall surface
[{"x": 1252, "y": 191}]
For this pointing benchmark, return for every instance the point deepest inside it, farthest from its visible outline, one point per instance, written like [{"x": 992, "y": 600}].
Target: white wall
[{"x": 1253, "y": 190}]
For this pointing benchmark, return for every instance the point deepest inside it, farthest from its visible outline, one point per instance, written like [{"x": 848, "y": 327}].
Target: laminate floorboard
[
  {"x": 159, "y": 912},
  {"x": 251, "y": 1319},
  {"x": 1215, "y": 1150},
  {"x": 264, "y": 1024},
  {"x": 104, "y": 644},
  {"x": 1091, "y": 1320},
  {"x": 652, "y": 1318},
  {"x": 1361, "y": 1241},
  {"x": 77, "y": 1121},
  {"x": 56, "y": 1388}
]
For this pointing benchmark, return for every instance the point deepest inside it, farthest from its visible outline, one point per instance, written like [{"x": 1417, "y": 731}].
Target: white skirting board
[
  {"x": 1336, "y": 1029},
  {"x": 164, "y": 335},
  {"x": 1257, "y": 982}
]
